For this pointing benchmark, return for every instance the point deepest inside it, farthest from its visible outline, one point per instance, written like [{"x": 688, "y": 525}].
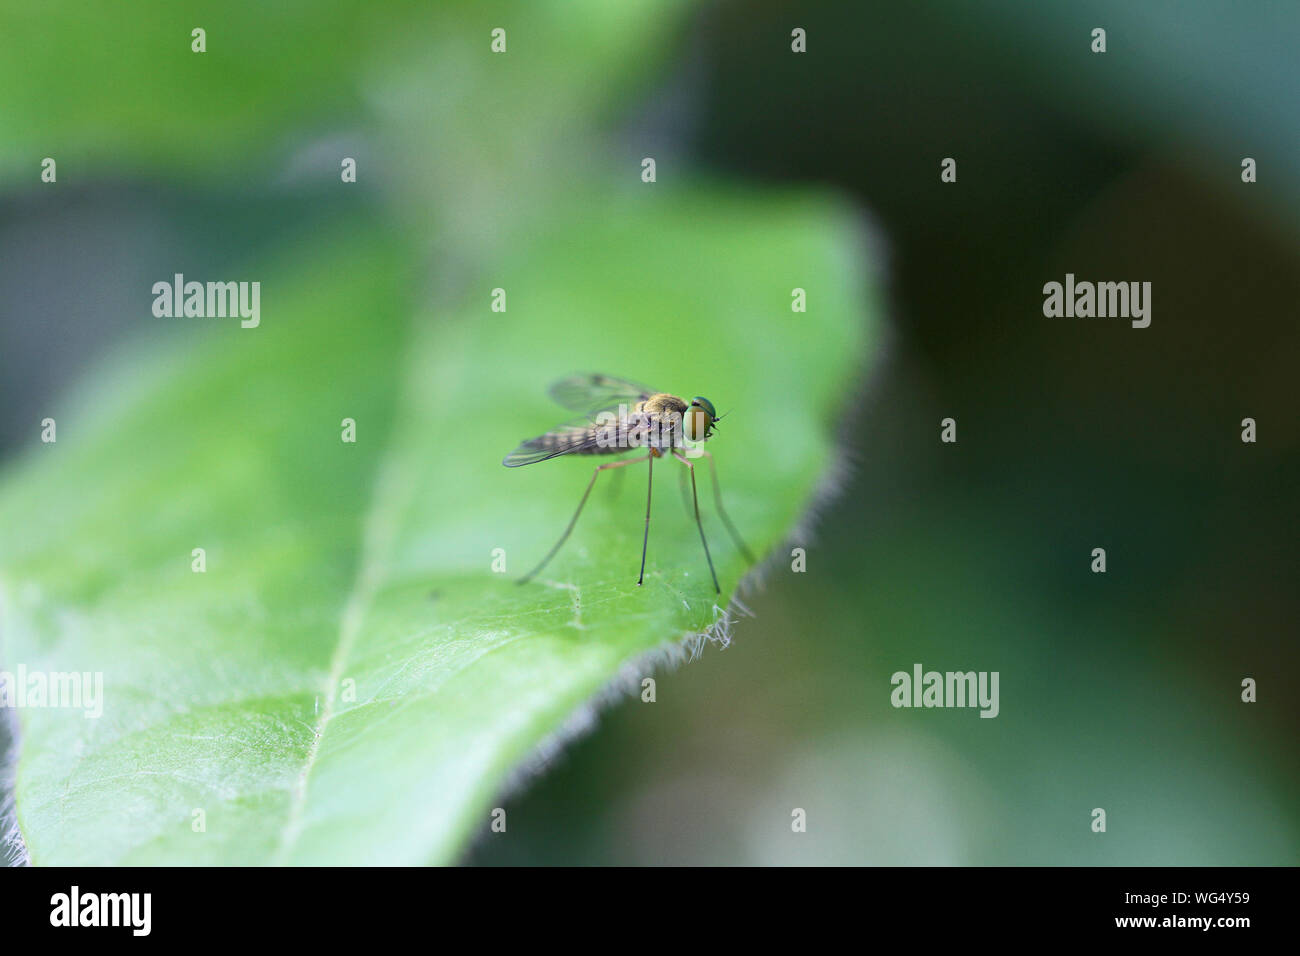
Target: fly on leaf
[{"x": 619, "y": 416}]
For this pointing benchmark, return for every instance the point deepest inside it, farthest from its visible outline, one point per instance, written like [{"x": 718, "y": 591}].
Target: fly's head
[{"x": 699, "y": 419}]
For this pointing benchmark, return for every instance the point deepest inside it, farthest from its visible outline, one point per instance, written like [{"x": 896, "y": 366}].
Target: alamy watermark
[
  {"x": 133, "y": 911},
  {"x": 667, "y": 429},
  {"x": 212, "y": 300},
  {"x": 72, "y": 690},
  {"x": 1085, "y": 300},
  {"x": 948, "y": 689}
]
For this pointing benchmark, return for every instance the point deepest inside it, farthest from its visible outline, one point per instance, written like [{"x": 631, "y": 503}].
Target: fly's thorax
[
  {"x": 653, "y": 423},
  {"x": 667, "y": 411},
  {"x": 664, "y": 404}
]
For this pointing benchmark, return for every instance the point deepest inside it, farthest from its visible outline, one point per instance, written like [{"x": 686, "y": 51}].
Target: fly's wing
[
  {"x": 591, "y": 433},
  {"x": 580, "y": 436},
  {"x": 602, "y": 433},
  {"x": 592, "y": 393}
]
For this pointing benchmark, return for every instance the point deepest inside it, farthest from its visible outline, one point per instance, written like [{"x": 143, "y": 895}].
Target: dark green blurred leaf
[{"x": 94, "y": 83}]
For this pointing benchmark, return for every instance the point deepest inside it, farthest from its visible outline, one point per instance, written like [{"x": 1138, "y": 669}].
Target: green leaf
[
  {"x": 90, "y": 84},
  {"x": 349, "y": 681}
]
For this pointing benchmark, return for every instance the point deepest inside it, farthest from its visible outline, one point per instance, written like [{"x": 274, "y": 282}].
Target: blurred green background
[{"x": 1118, "y": 691}]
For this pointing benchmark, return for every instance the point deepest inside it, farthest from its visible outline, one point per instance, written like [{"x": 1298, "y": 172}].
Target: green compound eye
[
  {"x": 705, "y": 404},
  {"x": 698, "y": 420}
]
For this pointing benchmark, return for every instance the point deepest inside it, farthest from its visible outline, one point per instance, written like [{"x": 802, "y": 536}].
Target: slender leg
[
  {"x": 698, "y": 523},
  {"x": 574, "y": 520},
  {"x": 686, "y": 497},
  {"x": 722, "y": 512},
  {"x": 649, "y": 486}
]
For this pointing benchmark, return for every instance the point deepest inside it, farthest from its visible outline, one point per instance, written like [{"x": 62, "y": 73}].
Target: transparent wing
[
  {"x": 577, "y": 437},
  {"x": 603, "y": 432},
  {"x": 589, "y": 433},
  {"x": 593, "y": 392}
]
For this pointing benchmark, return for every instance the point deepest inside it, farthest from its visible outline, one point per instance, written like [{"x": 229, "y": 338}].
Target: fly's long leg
[
  {"x": 698, "y": 523},
  {"x": 722, "y": 512},
  {"x": 574, "y": 520},
  {"x": 649, "y": 487},
  {"x": 686, "y": 498}
]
